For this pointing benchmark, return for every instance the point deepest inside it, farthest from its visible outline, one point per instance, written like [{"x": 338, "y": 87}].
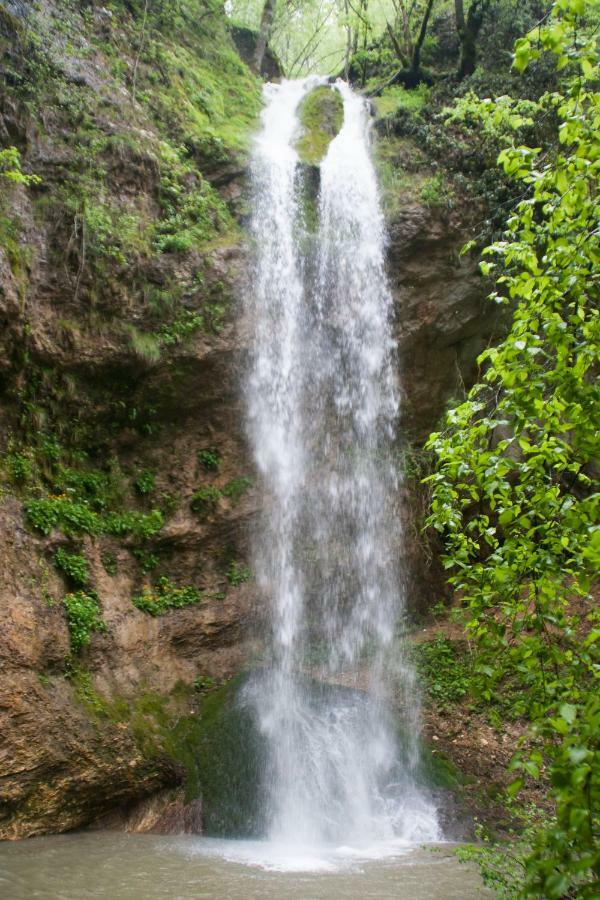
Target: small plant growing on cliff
[
  {"x": 145, "y": 346},
  {"x": 205, "y": 500},
  {"x": 145, "y": 482},
  {"x": 78, "y": 518},
  {"x": 147, "y": 560},
  {"x": 20, "y": 468},
  {"x": 236, "y": 488},
  {"x": 109, "y": 562},
  {"x": 204, "y": 683},
  {"x": 140, "y": 525},
  {"x": 238, "y": 574},
  {"x": 83, "y": 617},
  {"x": 176, "y": 332},
  {"x": 210, "y": 459},
  {"x": 73, "y": 565},
  {"x": 72, "y": 518},
  {"x": 10, "y": 168},
  {"x": 437, "y": 192},
  {"x": 166, "y": 596}
]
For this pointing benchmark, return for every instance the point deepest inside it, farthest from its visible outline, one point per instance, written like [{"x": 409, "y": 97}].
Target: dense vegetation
[{"x": 514, "y": 491}]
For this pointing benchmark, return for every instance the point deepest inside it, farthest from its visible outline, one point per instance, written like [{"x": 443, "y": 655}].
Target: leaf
[{"x": 568, "y": 712}]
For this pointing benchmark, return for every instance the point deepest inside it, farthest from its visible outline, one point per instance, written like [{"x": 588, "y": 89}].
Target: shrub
[
  {"x": 209, "y": 458},
  {"x": 165, "y": 596},
  {"x": 10, "y": 168},
  {"x": 236, "y": 488},
  {"x": 71, "y": 518},
  {"x": 238, "y": 574},
  {"x": 145, "y": 482},
  {"x": 73, "y": 565},
  {"x": 83, "y": 617},
  {"x": 20, "y": 468},
  {"x": 444, "y": 670},
  {"x": 205, "y": 500}
]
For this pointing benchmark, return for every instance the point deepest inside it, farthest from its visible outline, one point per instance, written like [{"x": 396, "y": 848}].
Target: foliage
[
  {"x": 145, "y": 482},
  {"x": 205, "y": 500},
  {"x": 78, "y": 518},
  {"x": 209, "y": 320},
  {"x": 192, "y": 211},
  {"x": 71, "y": 518},
  {"x": 444, "y": 670},
  {"x": 10, "y": 168},
  {"x": 74, "y": 566},
  {"x": 203, "y": 683},
  {"x": 140, "y": 525},
  {"x": 83, "y": 617},
  {"x": 237, "y": 574},
  {"x": 147, "y": 560},
  {"x": 437, "y": 193},
  {"x": 513, "y": 493},
  {"x": 145, "y": 346},
  {"x": 108, "y": 231},
  {"x": 194, "y": 82},
  {"x": 236, "y": 488},
  {"x": 166, "y": 596},
  {"x": 501, "y": 864},
  {"x": 109, "y": 562},
  {"x": 20, "y": 466},
  {"x": 209, "y": 458},
  {"x": 183, "y": 327},
  {"x": 397, "y": 100}
]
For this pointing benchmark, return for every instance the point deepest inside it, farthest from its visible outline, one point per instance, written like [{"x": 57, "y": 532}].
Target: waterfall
[{"x": 322, "y": 405}]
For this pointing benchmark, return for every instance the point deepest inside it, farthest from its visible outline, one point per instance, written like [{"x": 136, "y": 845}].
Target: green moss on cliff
[
  {"x": 224, "y": 757},
  {"x": 321, "y": 115},
  {"x": 156, "y": 95},
  {"x": 217, "y": 748}
]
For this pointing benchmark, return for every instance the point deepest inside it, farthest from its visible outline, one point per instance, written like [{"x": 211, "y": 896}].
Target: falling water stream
[{"x": 322, "y": 405}]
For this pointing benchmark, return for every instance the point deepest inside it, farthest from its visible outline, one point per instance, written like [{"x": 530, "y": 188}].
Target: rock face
[
  {"x": 443, "y": 322},
  {"x": 119, "y": 277},
  {"x": 245, "y": 42},
  {"x": 321, "y": 115},
  {"x": 120, "y": 400}
]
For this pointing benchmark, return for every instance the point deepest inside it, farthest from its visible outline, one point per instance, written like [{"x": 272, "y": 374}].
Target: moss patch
[
  {"x": 321, "y": 116},
  {"x": 224, "y": 757}
]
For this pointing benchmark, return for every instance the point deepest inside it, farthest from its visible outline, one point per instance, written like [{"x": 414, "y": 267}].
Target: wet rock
[{"x": 321, "y": 115}]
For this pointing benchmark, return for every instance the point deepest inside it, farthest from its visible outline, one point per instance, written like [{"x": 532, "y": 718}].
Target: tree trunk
[
  {"x": 468, "y": 29},
  {"x": 415, "y": 65},
  {"x": 264, "y": 32}
]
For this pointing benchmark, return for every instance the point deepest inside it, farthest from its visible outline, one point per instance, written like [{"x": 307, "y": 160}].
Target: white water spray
[{"x": 322, "y": 406}]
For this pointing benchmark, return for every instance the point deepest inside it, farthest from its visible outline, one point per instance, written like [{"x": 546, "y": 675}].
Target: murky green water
[{"x": 114, "y": 866}]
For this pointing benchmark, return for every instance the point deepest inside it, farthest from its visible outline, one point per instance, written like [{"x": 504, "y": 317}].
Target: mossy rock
[
  {"x": 307, "y": 186},
  {"x": 224, "y": 756},
  {"x": 438, "y": 771},
  {"x": 321, "y": 115}
]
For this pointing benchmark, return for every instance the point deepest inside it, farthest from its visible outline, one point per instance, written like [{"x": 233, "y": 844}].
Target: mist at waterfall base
[{"x": 322, "y": 405}]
